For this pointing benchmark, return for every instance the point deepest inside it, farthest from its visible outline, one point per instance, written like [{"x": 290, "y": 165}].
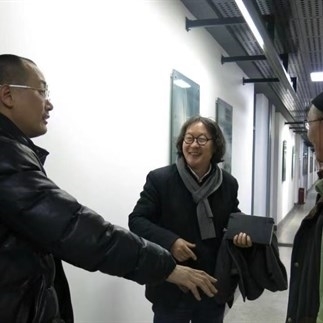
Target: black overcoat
[{"x": 166, "y": 211}]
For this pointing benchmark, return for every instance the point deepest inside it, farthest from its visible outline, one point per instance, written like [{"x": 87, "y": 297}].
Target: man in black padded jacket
[{"x": 40, "y": 224}]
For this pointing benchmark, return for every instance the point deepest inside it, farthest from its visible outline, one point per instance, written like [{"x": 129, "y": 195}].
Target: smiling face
[
  {"x": 27, "y": 108},
  {"x": 198, "y": 157}
]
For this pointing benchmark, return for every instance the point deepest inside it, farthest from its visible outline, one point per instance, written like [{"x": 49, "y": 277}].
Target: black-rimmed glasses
[
  {"x": 307, "y": 122},
  {"x": 44, "y": 92},
  {"x": 201, "y": 140}
]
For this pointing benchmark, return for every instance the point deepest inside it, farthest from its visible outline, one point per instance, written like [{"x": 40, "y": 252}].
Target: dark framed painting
[
  {"x": 293, "y": 162},
  {"x": 224, "y": 119},
  {"x": 185, "y": 103},
  {"x": 305, "y": 160}
]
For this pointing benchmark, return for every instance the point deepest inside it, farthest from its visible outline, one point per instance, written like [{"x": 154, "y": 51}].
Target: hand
[
  {"x": 181, "y": 250},
  {"x": 192, "y": 279},
  {"x": 242, "y": 240}
]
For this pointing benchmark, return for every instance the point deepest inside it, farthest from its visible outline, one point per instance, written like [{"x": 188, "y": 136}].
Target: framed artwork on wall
[
  {"x": 293, "y": 162},
  {"x": 305, "y": 160},
  {"x": 185, "y": 103},
  {"x": 224, "y": 119},
  {"x": 284, "y": 160}
]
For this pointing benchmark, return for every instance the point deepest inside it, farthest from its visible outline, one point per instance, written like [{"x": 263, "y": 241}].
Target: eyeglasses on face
[
  {"x": 307, "y": 122},
  {"x": 201, "y": 140},
  {"x": 44, "y": 92}
]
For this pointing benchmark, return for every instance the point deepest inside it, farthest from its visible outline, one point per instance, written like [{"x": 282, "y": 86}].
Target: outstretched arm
[{"x": 192, "y": 279}]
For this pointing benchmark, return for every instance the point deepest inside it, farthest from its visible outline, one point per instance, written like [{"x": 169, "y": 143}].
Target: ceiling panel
[{"x": 294, "y": 27}]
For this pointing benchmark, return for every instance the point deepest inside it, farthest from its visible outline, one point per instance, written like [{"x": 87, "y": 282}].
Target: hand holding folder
[{"x": 260, "y": 229}]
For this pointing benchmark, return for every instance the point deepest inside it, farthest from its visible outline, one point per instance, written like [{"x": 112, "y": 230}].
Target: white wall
[
  {"x": 285, "y": 189},
  {"x": 108, "y": 64},
  {"x": 261, "y": 157}
]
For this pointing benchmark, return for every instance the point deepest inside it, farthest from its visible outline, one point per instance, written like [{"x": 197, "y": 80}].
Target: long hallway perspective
[{"x": 271, "y": 307}]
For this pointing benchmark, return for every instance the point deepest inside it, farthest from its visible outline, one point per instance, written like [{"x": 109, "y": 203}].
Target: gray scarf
[{"x": 200, "y": 195}]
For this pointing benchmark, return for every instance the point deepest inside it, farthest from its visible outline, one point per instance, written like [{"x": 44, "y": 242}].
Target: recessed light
[
  {"x": 246, "y": 15},
  {"x": 317, "y": 76}
]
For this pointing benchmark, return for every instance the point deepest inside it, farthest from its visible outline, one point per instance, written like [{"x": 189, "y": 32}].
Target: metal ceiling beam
[
  {"x": 294, "y": 82},
  {"x": 259, "y": 80},
  {"x": 212, "y": 22},
  {"x": 234, "y": 59}
]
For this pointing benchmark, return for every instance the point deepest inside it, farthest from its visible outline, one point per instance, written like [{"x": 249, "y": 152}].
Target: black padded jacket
[
  {"x": 304, "y": 291},
  {"x": 41, "y": 224}
]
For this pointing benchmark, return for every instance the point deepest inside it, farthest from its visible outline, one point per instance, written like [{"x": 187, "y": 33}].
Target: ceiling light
[
  {"x": 317, "y": 76},
  {"x": 251, "y": 24},
  {"x": 181, "y": 83}
]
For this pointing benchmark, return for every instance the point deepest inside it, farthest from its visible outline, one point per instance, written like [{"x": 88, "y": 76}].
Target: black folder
[{"x": 259, "y": 228}]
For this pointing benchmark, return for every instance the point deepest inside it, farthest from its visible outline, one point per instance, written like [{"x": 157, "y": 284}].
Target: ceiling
[{"x": 290, "y": 27}]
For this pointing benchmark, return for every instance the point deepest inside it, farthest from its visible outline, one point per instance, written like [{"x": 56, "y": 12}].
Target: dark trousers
[{"x": 205, "y": 311}]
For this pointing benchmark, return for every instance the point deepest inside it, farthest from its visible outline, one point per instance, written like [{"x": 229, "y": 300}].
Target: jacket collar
[{"x": 10, "y": 130}]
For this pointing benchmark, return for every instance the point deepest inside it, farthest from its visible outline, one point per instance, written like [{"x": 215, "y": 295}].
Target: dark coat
[
  {"x": 166, "y": 211},
  {"x": 41, "y": 224},
  {"x": 304, "y": 292},
  {"x": 252, "y": 269}
]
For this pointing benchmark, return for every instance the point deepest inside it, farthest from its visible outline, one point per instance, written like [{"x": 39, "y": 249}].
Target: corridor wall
[{"x": 108, "y": 65}]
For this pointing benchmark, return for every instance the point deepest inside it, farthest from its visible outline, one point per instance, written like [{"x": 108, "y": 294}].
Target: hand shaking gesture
[{"x": 191, "y": 279}]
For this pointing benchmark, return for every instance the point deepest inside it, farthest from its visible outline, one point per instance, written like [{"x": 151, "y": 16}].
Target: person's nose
[
  {"x": 49, "y": 105},
  {"x": 195, "y": 143}
]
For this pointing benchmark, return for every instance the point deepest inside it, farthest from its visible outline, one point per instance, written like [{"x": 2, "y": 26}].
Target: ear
[{"x": 6, "y": 99}]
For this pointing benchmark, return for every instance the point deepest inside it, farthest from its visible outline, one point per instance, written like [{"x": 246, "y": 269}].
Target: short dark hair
[
  {"x": 216, "y": 134},
  {"x": 13, "y": 69}
]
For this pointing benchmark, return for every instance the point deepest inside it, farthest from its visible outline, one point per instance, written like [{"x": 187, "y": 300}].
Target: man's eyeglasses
[
  {"x": 201, "y": 140},
  {"x": 307, "y": 122},
  {"x": 44, "y": 92}
]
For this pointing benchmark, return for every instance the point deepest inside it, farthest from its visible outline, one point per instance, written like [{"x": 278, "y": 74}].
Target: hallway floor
[{"x": 271, "y": 307}]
